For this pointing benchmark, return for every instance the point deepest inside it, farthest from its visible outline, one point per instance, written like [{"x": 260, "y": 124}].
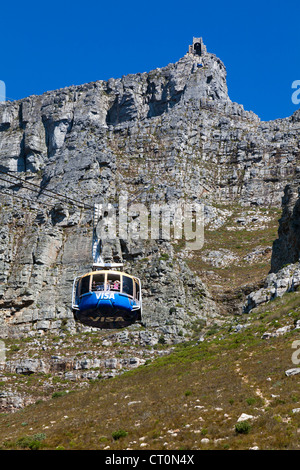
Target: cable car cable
[
  {"x": 25, "y": 199},
  {"x": 30, "y": 189},
  {"x": 55, "y": 194}
]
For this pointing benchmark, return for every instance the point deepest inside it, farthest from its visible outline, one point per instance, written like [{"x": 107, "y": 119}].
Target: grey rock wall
[
  {"x": 175, "y": 127},
  {"x": 286, "y": 249}
]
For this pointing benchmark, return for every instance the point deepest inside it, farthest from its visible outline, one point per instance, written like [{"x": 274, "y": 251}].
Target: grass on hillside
[
  {"x": 225, "y": 282},
  {"x": 190, "y": 399}
]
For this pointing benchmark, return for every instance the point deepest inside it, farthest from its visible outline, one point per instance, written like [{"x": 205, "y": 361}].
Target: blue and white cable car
[{"x": 106, "y": 296}]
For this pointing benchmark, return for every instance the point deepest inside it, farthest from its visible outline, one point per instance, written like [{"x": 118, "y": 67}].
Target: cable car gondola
[{"x": 107, "y": 296}]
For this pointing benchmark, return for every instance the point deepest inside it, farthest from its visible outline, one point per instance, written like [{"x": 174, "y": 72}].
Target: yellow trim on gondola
[{"x": 104, "y": 271}]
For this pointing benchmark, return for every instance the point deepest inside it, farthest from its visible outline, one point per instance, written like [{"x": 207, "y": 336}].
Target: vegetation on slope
[{"x": 190, "y": 399}]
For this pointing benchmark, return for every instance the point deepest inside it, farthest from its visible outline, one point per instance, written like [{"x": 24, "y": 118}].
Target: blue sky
[{"x": 51, "y": 45}]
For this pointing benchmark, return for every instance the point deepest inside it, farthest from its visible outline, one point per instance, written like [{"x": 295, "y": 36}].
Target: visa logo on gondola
[{"x": 105, "y": 295}]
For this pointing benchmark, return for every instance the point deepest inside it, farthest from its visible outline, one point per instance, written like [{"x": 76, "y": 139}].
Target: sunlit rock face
[{"x": 169, "y": 135}]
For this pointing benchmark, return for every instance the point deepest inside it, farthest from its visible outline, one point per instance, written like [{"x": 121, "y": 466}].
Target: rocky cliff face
[
  {"x": 286, "y": 249},
  {"x": 175, "y": 127}
]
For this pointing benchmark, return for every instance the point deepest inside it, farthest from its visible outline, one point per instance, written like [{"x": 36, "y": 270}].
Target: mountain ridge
[{"x": 175, "y": 125}]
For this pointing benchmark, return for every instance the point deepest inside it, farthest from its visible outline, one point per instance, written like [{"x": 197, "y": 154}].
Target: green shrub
[
  {"x": 243, "y": 427},
  {"x": 251, "y": 401},
  {"x": 161, "y": 340},
  {"x": 31, "y": 442},
  {"x": 118, "y": 434},
  {"x": 59, "y": 394}
]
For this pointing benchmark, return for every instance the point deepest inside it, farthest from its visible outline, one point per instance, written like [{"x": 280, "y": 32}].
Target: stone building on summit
[{"x": 198, "y": 47}]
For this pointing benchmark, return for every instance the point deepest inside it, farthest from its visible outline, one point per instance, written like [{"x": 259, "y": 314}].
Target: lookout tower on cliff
[{"x": 198, "y": 47}]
